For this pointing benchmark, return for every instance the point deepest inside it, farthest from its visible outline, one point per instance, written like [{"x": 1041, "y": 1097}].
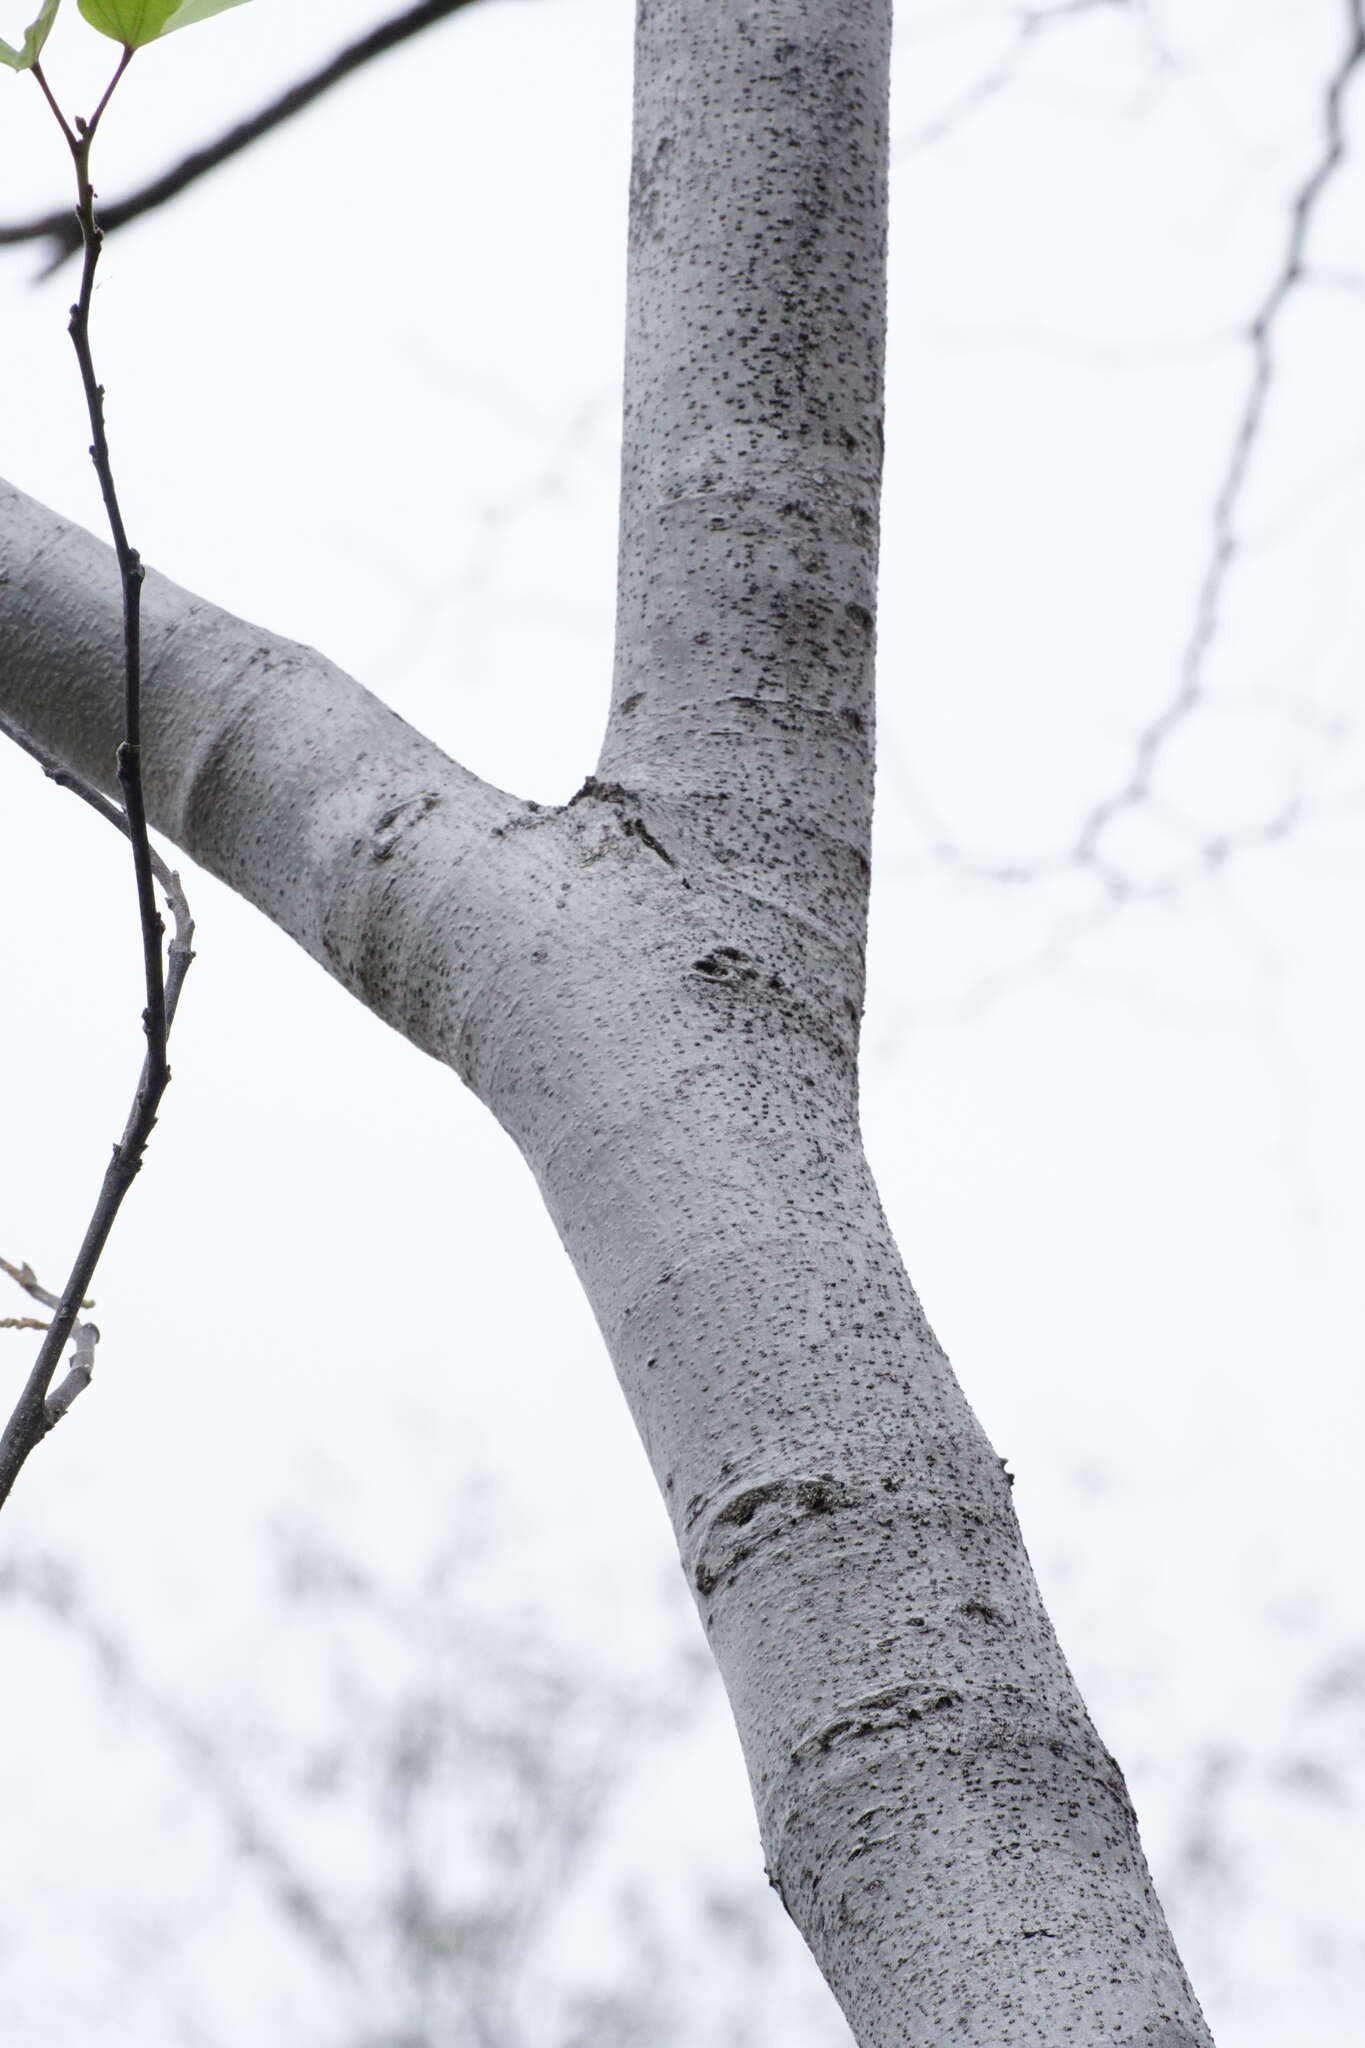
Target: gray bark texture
[{"x": 657, "y": 989}]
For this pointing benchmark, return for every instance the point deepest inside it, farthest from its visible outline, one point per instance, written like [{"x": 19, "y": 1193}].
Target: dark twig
[
  {"x": 37, "y": 1410},
  {"x": 1226, "y": 539},
  {"x": 1260, "y": 336},
  {"x": 62, "y": 229},
  {"x": 85, "y": 1335}
]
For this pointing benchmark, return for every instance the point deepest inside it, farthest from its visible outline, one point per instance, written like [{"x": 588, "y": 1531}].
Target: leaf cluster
[{"x": 128, "y": 22}]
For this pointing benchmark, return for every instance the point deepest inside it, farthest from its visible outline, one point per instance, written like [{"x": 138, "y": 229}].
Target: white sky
[{"x": 362, "y": 389}]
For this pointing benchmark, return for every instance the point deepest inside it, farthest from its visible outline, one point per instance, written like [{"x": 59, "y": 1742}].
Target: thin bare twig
[
  {"x": 38, "y": 1410},
  {"x": 25, "y": 1277},
  {"x": 180, "y": 953},
  {"x": 62, "y": 229},
  {"x": 1261, "y": 336},
  {"x": 84, "y": 1336},
  {"x": 1028, "y": 27}
]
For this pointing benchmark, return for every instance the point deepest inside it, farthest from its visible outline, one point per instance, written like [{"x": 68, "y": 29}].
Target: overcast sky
[{"x": 362, "y": 389}]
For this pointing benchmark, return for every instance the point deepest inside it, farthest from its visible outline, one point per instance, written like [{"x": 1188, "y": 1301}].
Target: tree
[{"x": 657, "y": 991}]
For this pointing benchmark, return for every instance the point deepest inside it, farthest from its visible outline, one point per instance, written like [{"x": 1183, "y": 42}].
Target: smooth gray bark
[{"x": 657, "y": 989}]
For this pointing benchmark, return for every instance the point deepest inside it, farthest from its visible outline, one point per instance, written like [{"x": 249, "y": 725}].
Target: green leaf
[
  {"x": 130, "y": 22},
  {"x": 190, "y": 11},
  {"x": 35, "y": 35},
  {"x": 135, "y": 22}
]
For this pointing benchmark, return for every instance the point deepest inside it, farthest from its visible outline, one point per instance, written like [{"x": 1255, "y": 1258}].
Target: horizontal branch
[{"x": 269, "y": 765}]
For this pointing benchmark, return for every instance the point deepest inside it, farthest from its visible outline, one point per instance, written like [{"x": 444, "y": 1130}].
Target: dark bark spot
[
  {"x": 390, "y": 825},
  {"x": 981, "y": 1610},
  {"x": 636, "y": 828},
  {"x": 725, "y": 964},
  {"x": 603, "y": 793},
  {"x": 819, "y": 1496},
  {"x": 746, "y": 1505}
]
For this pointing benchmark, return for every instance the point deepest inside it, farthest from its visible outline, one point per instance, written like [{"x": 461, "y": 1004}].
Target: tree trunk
[{"x": 657, "y": 990}]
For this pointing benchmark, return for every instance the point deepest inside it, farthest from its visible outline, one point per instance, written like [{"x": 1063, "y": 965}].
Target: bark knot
[
  {"x": 896, "y": 1706},
  {"x": 625, "y": 803},
  {"x": 756, "y": 1517},
  {"x": 386, "y": 833},
  {"x": 726, "y": 963}
]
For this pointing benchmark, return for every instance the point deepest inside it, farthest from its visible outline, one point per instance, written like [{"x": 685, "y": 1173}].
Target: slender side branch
[
  {"x": 1225, "y": 540},
  {"x": 131, "y": 579},
  {"x": 38, "y": 1411},
  {"x": 62, "y": 229},
  {"x": 1262, "y": 338},
  {"x": 272, "y": 768},
  {"x": 1028, "y": 28}
]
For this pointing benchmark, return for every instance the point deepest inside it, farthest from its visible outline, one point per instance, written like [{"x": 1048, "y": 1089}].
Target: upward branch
[{"x": 752, "y": 434}]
